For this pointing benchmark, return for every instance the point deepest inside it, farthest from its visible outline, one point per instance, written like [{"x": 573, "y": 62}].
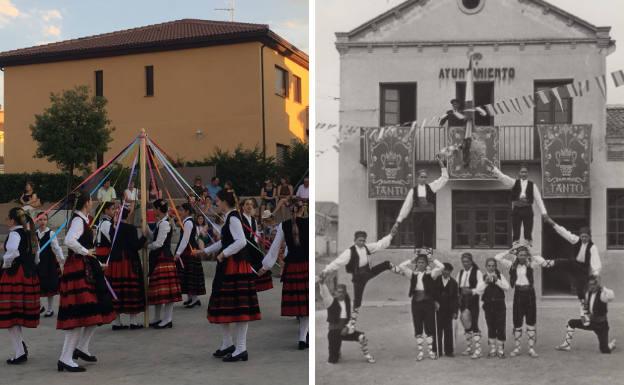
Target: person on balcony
[{"x": 455, "y": 118}]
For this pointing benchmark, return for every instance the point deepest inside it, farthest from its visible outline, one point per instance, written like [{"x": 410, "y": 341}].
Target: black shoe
[
  {"x": 165, "y": 326},
  {"x": 192, "y": 305},
  {"x": 49, "y": 314},
  {"x": 41, "y": 309},
  {"x": 154, "y": 324},
  {"x": 119, "y": 327},
  {"x": 222, "y": 353},
  {"x": 186, "y": 302},
  {"x": 19, "y": 360},
  {"x": 135, "y": 327},
  {"x": 303, "y": 345},
  {"x": 25, "y": 348},
  {"x": 63, "y": 366},
  {"x": 83, "y": 356},
  {"x": 239, "y": 357}
]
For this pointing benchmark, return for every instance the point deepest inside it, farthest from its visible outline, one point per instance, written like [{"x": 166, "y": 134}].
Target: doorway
[{"x": 483, "y": 94}]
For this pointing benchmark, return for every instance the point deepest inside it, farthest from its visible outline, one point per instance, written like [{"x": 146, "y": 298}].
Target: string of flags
[{"x": 499, "y": 107}]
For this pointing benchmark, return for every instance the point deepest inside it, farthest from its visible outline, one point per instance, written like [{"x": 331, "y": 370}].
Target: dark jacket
[{"x": 447, "y": 297}]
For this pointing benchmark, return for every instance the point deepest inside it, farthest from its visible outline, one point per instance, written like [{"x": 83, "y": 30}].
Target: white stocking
[
  {"x": 303, "y": 328},
  {"x": 16, "y": 340},
  {"x": 226, "y": 331},
  {"x": 240, "y": 329},
  {"x": 117, "y": 321},
  {"x": 168, "y": 314},
  {"x": 133, "y": 319},
  {"x": 85, "y": 338},
  {"x": 71, "y": 341},
  {"x": 50, "y": 301},
  {"x": 157, "y": 309}
]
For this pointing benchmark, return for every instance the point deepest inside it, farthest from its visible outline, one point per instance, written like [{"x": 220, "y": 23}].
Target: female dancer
[
  {"x": 85, "y": 300},
  {"x": 191, "y": 270},
  {"x": 263, "y": 282},
  {"x": 103, "y": 239},
  {"x": 125, "y": 274},
  {"x": 233, "y": 298},
  {"x": 19, "y": 284},
  {"x": 49, "y": 268},
  {"x": 295, "y": 272},
  {"x": 164, "y": 285},
  {"x": 492, "y": 291}
]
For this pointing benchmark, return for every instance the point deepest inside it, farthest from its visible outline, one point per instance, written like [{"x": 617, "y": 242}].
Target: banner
[
  {"x": 390, "y": 162},
  {"x": 566, "y": 154},
  {"x": 484, "y": 147}
]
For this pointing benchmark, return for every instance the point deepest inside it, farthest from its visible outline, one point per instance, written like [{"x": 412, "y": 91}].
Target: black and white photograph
[{"x": 470, "y": 218}]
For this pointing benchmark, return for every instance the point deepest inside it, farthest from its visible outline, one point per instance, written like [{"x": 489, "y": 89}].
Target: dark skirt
[
  {"x": 102, "y": 253},
  {"x": 295, "y": 289},
  {"x": 126, "y": 279},
  {"x": 192, "y": 280},
  {"x": 85, "y": 300},
  {"x": 233, "y": 297},
  {"x": 49, "y": 275},
  {"x": 19, "y": 298},
  {"x": 164, "y": 284},
  {"x": 264, "y": 282}
]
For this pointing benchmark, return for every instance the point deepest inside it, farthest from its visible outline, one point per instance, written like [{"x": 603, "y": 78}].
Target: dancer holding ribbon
[
  {"x": 191, "y": 270},
  {"x": 265, "y": 281},
  {"x": 49, "y": 267}
]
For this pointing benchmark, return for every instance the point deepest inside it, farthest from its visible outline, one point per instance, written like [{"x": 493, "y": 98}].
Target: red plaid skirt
[
  {"x": 264, "y": 282},
  {"x": 127, "y": 285},
  {"x": 19, "y": 299},
  {"x": 164, "y": 285},
  {"x": 295, "y": 289},
  {"x": 192, "y": 280},
  {"x": 102, "y": 253},
  {"x": 235, "y": 298}
]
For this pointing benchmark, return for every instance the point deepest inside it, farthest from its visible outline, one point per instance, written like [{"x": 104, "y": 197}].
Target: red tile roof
[
  {"x": 615, "y": 120},
  {"x": 179, "y": 34}
]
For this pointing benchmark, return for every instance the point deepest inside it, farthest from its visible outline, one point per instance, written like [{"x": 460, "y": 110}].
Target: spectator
[
  {"x": 213, "y": 188},
  {"x": 268, "y": 196},
  {"x": 204, "y": 202},
  {"x": 154, "y": 193},
  {"x": 304, "y": 190},
  {"x": 198, "y": 186},
  {"x": 204, "y": 231},
  {"x": 229, "y": 187},
  {"x": 29, "y": 199},
  {"x": 131, "y": 197},
  {"x": 106, "y": 193},
  {"x": 284, "y": 193}
]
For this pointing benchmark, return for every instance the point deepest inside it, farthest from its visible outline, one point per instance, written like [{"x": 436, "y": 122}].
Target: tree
[
  {"x": 295, "y": 163},
  {"x": 247, "y": 169},
  {"x": 73, "y": 130}
]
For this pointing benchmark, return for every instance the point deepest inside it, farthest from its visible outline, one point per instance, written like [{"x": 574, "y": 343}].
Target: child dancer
[
  {"x": 492, "y": 290},
  {"x": 49, "y": 267},
  {"x": 422, "y": 292},
  {"x": 446, "y": 296},
  {"x": 252, "y": 233},
  {"x": 338, "y": 314},
  {"x": 19, "y": 284},
  {"x": 192, "y": 277},
  {"x": 468, "y": 278},
  {"x": 102, "y": 235}
]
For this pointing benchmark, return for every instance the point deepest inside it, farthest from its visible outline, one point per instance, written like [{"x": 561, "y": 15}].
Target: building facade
[
  {"x": 194, "y": 85},
  {"x": 407, "y": 64}
]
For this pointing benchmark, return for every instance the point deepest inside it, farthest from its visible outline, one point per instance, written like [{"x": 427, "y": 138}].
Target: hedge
[{"x": 49, "y": 187}]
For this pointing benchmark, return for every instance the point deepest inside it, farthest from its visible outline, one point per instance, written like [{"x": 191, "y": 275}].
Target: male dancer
[
  {"x": 357, "y": 261},
  {"x": 420, "y": 201},
  {"x": 468, "y": 279},
  {"x": 446, "y": 294},
  {"x": 596, "y": 300}
]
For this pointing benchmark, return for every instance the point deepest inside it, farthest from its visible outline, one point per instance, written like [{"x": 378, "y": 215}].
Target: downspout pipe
[{"x": 262, "y": 99}]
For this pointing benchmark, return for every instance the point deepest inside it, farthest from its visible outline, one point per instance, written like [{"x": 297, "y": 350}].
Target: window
[
  {"x": 99, "y": 83},
  {"x": 281, "y": 82},
  {"x": 481, "y": 219},
  {"x": 387, "y": 213},
  {"x": 398, "y": 103},
  {"x": 281, "y": 151},
  {"x": 551, "y": 113},
  {"x": 483, "y": 94},
  {"x": 615, "y": 218},
  {"x": 149, "y": 80},
  {"x": 297, "y": 88}
]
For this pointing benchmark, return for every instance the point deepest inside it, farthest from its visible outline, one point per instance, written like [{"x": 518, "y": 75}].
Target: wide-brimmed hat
[{"x": 266, "y": 214}]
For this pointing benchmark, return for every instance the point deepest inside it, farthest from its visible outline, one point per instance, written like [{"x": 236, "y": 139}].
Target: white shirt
[
  {"x": 521, "y": 270},
  {"x": 251, "y": 220},
  {"x": 501, "y": 282},
  {"x": 12, "y": 246},
  {"x": 594, "y": 262},
  {"x": 345, "y": 256},
  {"x": 104, "y": 228},
  {"x": 236, "y": 229},
  {"x": 131, "y": 195},
  {"x": 164, "y": 227},
  {"x": 435, "y": 186},
  {"x": 303, "y": 192},
  {"x": 445, "y": 281},
  {"x": 106, "y": 195},
  {"x": 406, "y": 271},
  {"x": 75, "y": 231},
  {"x": 186, "y": 234},
  {"x": 465, "y": 281},
  {"x": 56, "y": 248},
  {"x": 510, "y": 182}
]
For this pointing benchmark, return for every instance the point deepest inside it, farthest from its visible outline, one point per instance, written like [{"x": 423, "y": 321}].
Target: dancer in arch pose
[{"x": 49, "y": 266}]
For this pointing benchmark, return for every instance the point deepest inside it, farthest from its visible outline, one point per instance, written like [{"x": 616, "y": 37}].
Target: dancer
[
  {"x": 492, "y": 291},
  {"x": 85, "y": 300},
  {"x": 19, "y": 283},
  {"x": 191, "y": 270},
  {"x": 294, "y": 232},
  {"x": 420, "y": 201},
  {"x": 357, "y": 261},
  {"x": 468, "y": 278},
  {"x": 103, "y": 240},
  {"x": 584, "y": 262},
  {"x": 446, "y": 294},
  {"x": 125, "y": 274},
  {"x": 596, "y": 298},
  {"x": 338, "y": 314},
  {"x": 524, "y": 304},
  {"x": 523, "y": 194},
  {"x": 233, "y": 299},
  {"x": 252, "y": 233},
  {"x": 422, "y": 292},
  {"x": 163, "y": 284},
  {"x": 49, "y": 267},
  {"x": 455, "y": 118}
]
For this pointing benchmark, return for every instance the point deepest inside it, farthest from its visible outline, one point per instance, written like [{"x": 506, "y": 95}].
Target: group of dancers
[
  {"x": 437, "y": 298},
  {"x": 102, "y": 276}
]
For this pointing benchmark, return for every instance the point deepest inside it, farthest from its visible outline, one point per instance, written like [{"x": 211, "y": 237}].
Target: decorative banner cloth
[
  {"x": 566, "y": 154},
  {"x": 390, "y": 164},
  {"x": 484, "y": 147}
]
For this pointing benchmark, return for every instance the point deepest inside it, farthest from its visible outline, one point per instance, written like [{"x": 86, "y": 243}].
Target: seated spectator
[
  {"x": 284, "y": 193},
  {"x": 106, "y": 193},
  {"x": 29, "y": 199},
  {"x": 155, "y": 192},
  {"x": 304, "y": 190},
  {"x": 213, "y": 188},
  {"x": 268, "y": 196},
  {"x": 198, "y": 186}
]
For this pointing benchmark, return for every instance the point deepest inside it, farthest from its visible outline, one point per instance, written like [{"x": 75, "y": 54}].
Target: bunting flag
[
  {"x": 601, "y": 81},
  {"x": 515, "y": 103},
  {"x": 582, "y": 85},
  {"x": 528, "y": 100},
  {"x": 572, "y": 90},
  {"x": 557, "y": 96},
  {"x": 499, "y": 108},
  {"x": 491, "y": 110},
  {"x": 618, "y": 78},
  {"x": 381, "y": 132},
  {"x": 543, "y": 97},
  {"x": 506, "y": 106}
]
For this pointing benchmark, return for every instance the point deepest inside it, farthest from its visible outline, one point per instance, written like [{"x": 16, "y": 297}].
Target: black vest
[
  {"x": 193, "y": 238},
  {"x": 252, "y": 250},
  {"x": 354, "y": 261},
  {"x": 600, "y": 308},
  {"x": 577, "y": 248},
  {"x": 493, "y": 292},
  {"x": 26, "y": 257},
  {"x": 513, "y": 273},
  {"x": 166, "y": 247},
  {"x": 103, "y": 242},
  {"x": 333, "y": 311},
  {"x": 472, "y": 279},
  {"x": 296, "y": 253},
  {"x": 430, "y": 195},
  {"x": 86, "y": 239},
  {"x": 517, "y": 189},
  {"x": 427, "y": 284},
  {"x": 226, "y": 236},
  {"x": 46, "y": 254}
]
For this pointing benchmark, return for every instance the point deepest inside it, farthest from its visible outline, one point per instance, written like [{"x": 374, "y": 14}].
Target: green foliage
[
  {"x": 49, "y": 187},
  {"x": 295, "y": 163},
  {"x": 73, "y": 130}
]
